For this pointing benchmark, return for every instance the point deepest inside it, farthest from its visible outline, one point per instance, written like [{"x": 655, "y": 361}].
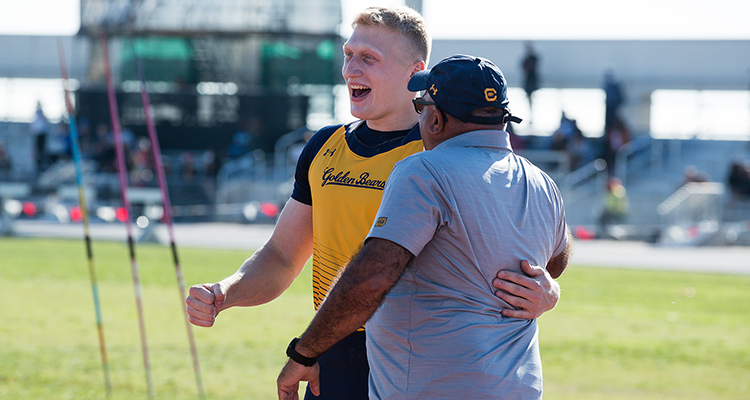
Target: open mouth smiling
[{"x": 359, "y": 90}]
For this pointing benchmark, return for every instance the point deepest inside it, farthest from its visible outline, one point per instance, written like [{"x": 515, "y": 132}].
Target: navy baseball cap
[{"x": 461, "y": 84}]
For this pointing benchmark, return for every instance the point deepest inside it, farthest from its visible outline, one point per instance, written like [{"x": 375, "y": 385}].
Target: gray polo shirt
[{"x": 466, "y": 209}]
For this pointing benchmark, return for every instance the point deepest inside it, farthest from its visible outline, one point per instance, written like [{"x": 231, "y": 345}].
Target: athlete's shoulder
[
  {"x": 319, "y": 139},
  {"x": 325, "y": 133}
]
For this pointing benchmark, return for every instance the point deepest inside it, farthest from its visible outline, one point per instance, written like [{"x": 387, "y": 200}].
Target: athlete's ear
[{"x": 418, "y": 66}]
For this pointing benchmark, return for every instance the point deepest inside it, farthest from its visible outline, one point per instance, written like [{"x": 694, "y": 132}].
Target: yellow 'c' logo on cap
[
  {"x": 490, "y": 94},
  {"x": 433, "y": 89}
]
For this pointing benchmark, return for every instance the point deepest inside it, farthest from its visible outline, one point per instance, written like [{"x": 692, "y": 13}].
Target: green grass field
[{"x": 616, "y": 334}]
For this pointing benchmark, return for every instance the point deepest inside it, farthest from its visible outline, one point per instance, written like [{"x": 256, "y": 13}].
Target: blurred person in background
[
  {"x": 563, "y": 134},
  {"x": 530, "y": 66},
  {"x": 39, "y": 128},
  {"x": 580, "y": 150},
  {"x": 694, "y": 175},
  {"x": 102, "y": 149},
  {"x": 614, "y": 98},
  {"x": 616, "y": 136},
  {"x": 738, "y": 181},
  {"x": 57, "y": 146},
  {"x": 5, "y": 163},
  {"x": 615, "y": 208},
  {"x": 142, "y": 161}
]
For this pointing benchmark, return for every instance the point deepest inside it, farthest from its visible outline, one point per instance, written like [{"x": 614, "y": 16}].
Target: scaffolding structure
[{"x": 225, "y": 17}]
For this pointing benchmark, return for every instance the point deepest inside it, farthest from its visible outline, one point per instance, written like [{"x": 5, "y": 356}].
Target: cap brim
[{"x": 418, "y": 81}]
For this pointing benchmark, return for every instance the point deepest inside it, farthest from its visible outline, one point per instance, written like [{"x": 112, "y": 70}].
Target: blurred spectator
[
  {"x": 615, "y": 97},
  {"x": 187, "y": 165},
  {"x": 739, "y": 181},
  {"x": 129, "y": 141},
  {"x": 531, "y": 77},
  {"x": 5, "y": 164},
  {"x": 209, "y": 164},
  {"x": 240, "y": 145},
  {"x": 85, "y": 136},
  {"x": 580, "y": 150},
  {"x": 142, "y": 171},
  {"x": 569, "y": 137},
  {"x": 615, "y": 208},
  {"x": 615, "y": 137},
  {"x": 57, "y": 146},
  {"x": 692, "y": 174},
  {"x": 39, "y": 128},
  {"x": 246, "y": 139},
  {"x": 563, "y": 133},
  {"x": 103, "y": 149}
]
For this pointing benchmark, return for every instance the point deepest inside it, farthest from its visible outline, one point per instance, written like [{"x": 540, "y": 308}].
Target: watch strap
[{"x": 292, "y": 353}]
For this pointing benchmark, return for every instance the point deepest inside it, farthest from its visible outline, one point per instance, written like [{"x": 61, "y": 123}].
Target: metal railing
[
  {"x": 585, "y": 181},
  {"x": 694, "y": 203},
  {"x": 640, "y": 153}
]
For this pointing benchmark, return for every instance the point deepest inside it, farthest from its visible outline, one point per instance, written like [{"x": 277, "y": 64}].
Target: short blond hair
[{"x": 402, "y": 19}]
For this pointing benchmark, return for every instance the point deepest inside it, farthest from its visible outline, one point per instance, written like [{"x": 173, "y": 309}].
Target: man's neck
[{"x": 394, "y": 123}]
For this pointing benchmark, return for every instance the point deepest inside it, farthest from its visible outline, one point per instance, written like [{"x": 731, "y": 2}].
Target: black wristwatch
[{"x": 292, "y": 353}]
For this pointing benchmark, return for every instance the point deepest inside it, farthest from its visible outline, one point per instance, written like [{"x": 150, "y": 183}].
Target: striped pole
[
  {"x": 84, "y": 214},
  {"x": 122, "y": 172},
  {"x": 167, "y": 205}
]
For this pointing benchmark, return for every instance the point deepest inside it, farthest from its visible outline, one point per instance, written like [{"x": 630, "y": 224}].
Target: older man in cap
[{"x": 448, "y": 216}]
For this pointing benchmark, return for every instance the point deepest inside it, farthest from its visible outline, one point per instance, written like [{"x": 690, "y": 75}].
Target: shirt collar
[{"x": 481, "y": 138}]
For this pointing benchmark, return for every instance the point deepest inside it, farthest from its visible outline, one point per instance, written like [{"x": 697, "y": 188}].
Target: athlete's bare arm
[
  {"x": 265, "y": 275},
  {"x": 536, "y": 292}
]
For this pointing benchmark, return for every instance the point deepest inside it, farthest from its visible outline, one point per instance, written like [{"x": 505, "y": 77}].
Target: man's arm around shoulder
[{"x": 351, "y": 302}]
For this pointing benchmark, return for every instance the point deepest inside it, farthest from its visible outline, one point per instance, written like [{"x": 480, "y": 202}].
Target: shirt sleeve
[
  {"x": 302, "y": 191},
  {"x": 414, "y": 206}
]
